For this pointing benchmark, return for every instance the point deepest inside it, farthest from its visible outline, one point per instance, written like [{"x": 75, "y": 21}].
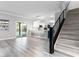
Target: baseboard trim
[{"x": 8, "y": 38}]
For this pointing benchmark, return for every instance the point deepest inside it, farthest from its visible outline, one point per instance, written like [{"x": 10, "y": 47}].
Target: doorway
[{"x": 21, "y": 29}]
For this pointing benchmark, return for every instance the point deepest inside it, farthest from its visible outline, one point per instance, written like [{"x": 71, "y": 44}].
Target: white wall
[
  {"x": 11, "y": 32},
  {"x": 62, "y": 6},
  {"x": 73, "y": 5}
]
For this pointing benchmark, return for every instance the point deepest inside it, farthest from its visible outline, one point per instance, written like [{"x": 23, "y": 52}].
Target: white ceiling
[{"x": 30, "y": 8}]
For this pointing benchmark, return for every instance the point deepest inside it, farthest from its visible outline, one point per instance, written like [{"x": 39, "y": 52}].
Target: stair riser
[
  {"x": 68, "y": 42},
  {"x": 75, "y": 31},
  {"x": 71, "y": 24},
  {"x": 71, "y": 34},
  {"x": 66, "y": 50},
  {"x": 70, "y": 27}
]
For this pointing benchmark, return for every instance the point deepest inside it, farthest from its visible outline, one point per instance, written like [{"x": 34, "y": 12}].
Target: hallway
[{"x": 27, "y": 47}]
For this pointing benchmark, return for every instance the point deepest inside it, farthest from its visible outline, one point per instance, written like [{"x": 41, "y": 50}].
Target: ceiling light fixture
[
  {"x": 40, "y": 17},
  {"x": 51, "y": 16}
]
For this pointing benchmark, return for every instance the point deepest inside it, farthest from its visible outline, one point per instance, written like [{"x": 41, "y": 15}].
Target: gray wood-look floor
[{"x": 27, "y": 47}]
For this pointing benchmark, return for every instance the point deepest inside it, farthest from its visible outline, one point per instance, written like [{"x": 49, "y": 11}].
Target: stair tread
[
  {"x": 70, "y": 38},
  {"x": 70, "y": 27},
  {"x": 70, "y": 34},
  {"x": 70, "y": 46},
  {"x": 62, "y": 35},
  {"x": 75, "y": 32},
  {"x": 67, "y": 50},
  {"x": 68, "y": 42},
  {"x": 70, "y": 30}
]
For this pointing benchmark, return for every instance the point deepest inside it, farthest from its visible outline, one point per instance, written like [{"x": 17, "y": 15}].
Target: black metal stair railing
[{"x": 56, "y": 28}]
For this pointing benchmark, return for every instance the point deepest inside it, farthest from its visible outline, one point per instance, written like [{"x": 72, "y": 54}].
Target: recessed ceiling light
[
  {"x": 51, "y": 16},
  {"x": 40, "y": 17}
]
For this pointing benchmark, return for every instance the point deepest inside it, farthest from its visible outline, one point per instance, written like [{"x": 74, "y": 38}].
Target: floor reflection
[{"x": 26, "y": 47}]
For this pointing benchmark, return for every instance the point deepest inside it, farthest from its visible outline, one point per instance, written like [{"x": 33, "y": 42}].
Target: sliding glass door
[{"x": 21, "y": 29}]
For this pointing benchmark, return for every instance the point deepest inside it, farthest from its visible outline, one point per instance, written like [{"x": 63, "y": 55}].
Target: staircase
[{"x": 68, "y": 39}]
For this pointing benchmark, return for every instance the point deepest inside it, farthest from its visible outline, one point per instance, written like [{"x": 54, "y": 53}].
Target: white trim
[{"x": 8, "y": 38}]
